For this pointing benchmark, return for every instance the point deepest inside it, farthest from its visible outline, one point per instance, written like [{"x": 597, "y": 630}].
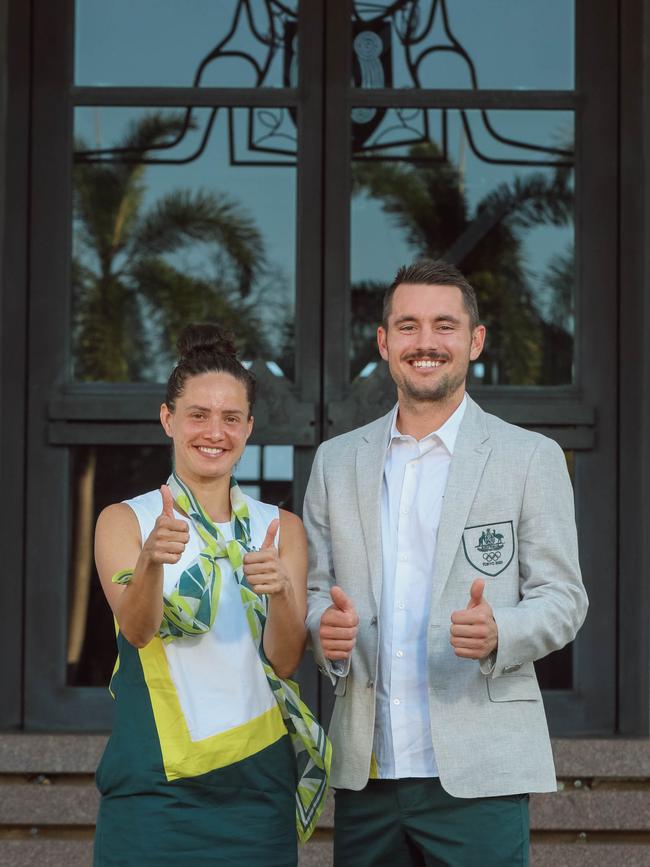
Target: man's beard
[{"x": 440, "y": 391}]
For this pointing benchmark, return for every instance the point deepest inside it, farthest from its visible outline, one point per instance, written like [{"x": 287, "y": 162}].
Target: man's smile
[{"x": 421, "y": 363}]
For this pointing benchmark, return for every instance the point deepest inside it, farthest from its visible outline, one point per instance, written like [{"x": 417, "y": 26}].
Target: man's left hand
[{"x": 474, "y": 633}]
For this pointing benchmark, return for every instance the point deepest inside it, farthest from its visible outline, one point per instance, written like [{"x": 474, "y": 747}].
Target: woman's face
[{"x": 210, "y": 425}]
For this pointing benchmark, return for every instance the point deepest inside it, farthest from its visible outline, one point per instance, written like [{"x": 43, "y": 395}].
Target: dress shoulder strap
[
  {"x": 147, "y": 507},
  {"x": 261, "y": 515}
]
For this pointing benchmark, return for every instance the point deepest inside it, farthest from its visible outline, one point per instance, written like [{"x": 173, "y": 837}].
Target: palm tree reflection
[
  {"x": 140, "y": 273},
  {"x": 425, "y": 197}
]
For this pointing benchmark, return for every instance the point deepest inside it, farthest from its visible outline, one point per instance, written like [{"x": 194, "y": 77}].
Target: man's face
[{"x": 428, "y": 342}]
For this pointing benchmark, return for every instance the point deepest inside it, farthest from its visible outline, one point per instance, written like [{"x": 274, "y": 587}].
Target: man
[{"x": 443, "y": 562}]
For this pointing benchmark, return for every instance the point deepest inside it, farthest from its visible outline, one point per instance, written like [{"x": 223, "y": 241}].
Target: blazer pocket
[{"x": 513, "y": 687}]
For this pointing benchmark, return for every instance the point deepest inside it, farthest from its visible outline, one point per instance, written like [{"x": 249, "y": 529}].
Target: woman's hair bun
[{"x": 205, "y": 338}]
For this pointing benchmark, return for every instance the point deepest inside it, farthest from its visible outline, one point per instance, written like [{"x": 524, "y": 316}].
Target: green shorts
[{"x": 403, "y": 823}]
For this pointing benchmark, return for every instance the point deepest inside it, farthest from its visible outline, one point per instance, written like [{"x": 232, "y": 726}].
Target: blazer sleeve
[
  {"x": 320, "y": 576},
  {"x": 553, "y": 601}
]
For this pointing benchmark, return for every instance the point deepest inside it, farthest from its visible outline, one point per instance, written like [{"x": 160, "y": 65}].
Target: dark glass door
[
  {"x": 176, "y": 162},
  {"x": 269, "y": 165},
  {"x": 485, "y": 134}
]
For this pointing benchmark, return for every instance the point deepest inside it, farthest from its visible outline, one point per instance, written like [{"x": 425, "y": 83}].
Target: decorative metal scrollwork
[
  {"x": 415, "y": 23},
  {"x": 272, "y": 26}
]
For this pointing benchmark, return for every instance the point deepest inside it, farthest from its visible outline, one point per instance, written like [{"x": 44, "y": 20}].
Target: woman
[{"x": 213, "y": 759}]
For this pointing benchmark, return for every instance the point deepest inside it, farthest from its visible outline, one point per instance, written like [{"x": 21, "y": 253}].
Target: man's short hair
[{"x": 432, "y": 272}]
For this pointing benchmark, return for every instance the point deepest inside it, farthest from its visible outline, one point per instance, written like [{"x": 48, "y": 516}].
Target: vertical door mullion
[
  {"x": 634, "y": 376},
  {"x": 336, "y": 237},
  {"x": 309, "y": 272},
  {"x": 337, "y": 170},
  {"x": 15, "y": 22},
  {"x": 309, "y": 229}
]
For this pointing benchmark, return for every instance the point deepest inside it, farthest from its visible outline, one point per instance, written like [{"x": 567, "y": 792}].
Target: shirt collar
[{"x": 447, "y": 433}]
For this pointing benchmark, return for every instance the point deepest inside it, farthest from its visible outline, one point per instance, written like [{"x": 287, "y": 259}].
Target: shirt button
[
  {"x": 396, "y": 701},
  {"x": 400, "y": 653},
  {"x": 401, "y": 606},
  {"x": 373, "y": 621},
  {"x": 370, "y": 684}
]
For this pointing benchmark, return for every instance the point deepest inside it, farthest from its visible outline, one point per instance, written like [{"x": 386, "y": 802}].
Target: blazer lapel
[
  {"x": 370, "y": 459},
  {"x": 470, "y": 454}
]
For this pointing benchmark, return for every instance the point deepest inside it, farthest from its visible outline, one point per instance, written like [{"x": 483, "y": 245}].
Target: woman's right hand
[{"x": 167, "y": 540}]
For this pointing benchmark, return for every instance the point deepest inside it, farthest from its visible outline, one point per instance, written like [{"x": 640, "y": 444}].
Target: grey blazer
[{"x": 507, "y": 517}]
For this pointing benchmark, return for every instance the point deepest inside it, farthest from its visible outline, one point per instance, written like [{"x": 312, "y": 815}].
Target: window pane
[
  {"x": 248, "y": 466},
  {"x": 170, "y": 227},
  {"x": 100, "y": 476},
  {"x": 447, "y": 44},
  {"x": 232, "y": 43},
  {"x": 491, "y": 192},
  {"x": 278, "y": 463}
]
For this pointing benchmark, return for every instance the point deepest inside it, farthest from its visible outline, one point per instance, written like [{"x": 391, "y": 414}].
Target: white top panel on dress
[{"x": 218, "y": 676}]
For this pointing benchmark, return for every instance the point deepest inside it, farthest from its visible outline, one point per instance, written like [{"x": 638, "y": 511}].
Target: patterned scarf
[{"x": 191, "y": 608}]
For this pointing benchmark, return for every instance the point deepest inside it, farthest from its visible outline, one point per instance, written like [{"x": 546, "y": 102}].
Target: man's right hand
[
  {"x": 338, "y": 626},
  {"x": 167, "y": 540}
]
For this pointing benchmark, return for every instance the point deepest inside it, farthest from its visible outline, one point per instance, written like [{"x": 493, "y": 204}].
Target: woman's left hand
[{"x": 264, "y": 569}]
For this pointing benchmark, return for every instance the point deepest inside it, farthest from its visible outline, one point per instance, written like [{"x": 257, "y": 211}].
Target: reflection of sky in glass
[
  {"x": 161, "y": 43},
  {"x": 512, "y": 43},
  {"x": 248, "y": 466},
  {"x": 379, "y": 248},
  {"x": 268, "y": 196},
  {"x": 276, "y": 463}
]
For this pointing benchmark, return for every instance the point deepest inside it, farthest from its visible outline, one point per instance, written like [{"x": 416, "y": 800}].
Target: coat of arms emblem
[{"x": 489, "y": 547}]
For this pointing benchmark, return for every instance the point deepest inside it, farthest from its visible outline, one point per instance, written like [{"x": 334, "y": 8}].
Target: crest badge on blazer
[{"x": 490, "y": 547}]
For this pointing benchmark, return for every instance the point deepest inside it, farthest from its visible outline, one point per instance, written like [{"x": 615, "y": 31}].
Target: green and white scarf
[{"x": 191, "y": 608}]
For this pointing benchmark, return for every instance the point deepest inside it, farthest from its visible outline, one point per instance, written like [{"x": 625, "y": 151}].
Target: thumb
[
  {"x": 476, "y": 593},
  {"x": 167, "y": 502},
  {"x": 342, "y": 602},
  {"x": 269, "y": 539}
]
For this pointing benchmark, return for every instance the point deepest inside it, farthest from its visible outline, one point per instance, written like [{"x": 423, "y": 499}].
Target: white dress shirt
[{"x": 415, "y": 478}]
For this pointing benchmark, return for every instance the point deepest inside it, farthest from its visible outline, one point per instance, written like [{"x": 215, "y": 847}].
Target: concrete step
[
  {"x": 318, "y": 853},
  {"x": 599, "y": 818},
  {"x": 52, "y": 801},
  {"x": 589, "y": 855},
  {"x": 46, "y": 853}
]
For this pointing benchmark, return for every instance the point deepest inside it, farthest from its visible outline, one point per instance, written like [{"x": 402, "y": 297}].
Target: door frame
[{"x": 37, "y": 680}]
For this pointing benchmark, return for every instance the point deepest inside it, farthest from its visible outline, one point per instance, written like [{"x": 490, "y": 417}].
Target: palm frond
[
  {"x": 424, "y": 197},
  {"x": 179, "y": 298},
  {"x": 185, "y": 217},
  {"x": 531, "y": 200}
]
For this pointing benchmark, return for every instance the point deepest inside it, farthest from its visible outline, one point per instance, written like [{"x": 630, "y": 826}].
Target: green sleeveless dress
[{"x": 199, "y": 769}]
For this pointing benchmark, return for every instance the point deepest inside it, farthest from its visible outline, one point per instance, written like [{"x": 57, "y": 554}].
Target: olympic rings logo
[{"x": 491, "y": 557}]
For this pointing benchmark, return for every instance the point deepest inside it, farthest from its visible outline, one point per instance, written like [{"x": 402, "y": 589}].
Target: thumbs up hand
[
  {"x": 264, "y": 569},
  {"x": 167, "y": 540},
  {"x": 167, "y": 501},
  {"x": 474, "y": 633},
  {"x": 338, "y": 626}
]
